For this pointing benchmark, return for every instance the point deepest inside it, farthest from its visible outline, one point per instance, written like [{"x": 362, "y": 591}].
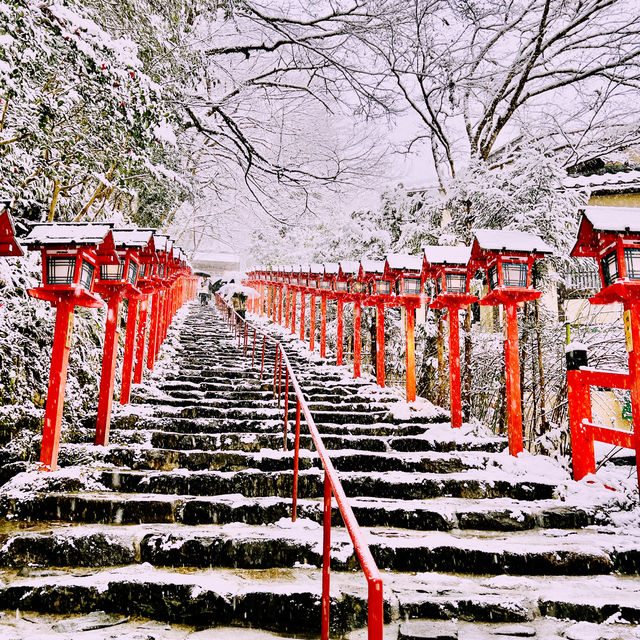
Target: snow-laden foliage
[{"x": 85, "y": 130}]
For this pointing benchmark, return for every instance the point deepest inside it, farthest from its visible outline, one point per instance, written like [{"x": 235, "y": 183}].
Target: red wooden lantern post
[
  {"x": 9, "y": 246},
  {"x": 448, "y": 268},
  {"x": 378, "y": 294},
  {"x": 303, "y": 287},
  {"x": 114, "y": 283},
  {"x": 406, "y": 273},
  {"x": 69, "y": 263},
  {"x": 163, "y": 247},
  {"x": 507, "y": 258},
  {"x": 348, "y": 273},
  {"x": 136, "y": 325},
  {"x": 611, "y": 235},
  {"x": 293, "y": 288},
  {"x": 316, "y": 272},
  {"x": 325, "y": 285}
]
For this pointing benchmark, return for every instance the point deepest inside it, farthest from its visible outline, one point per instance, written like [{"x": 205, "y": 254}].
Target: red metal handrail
[{"x": 332, "y": 484}]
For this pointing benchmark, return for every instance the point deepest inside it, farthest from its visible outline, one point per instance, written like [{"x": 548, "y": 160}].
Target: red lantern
[
  {"x": 448, "y": 268},
  {"x": 507, "y": 258},
  {"x": 71, "y": 255},
  {"x": 610, "y": 235},
  {"x": 406, "y": 274}
]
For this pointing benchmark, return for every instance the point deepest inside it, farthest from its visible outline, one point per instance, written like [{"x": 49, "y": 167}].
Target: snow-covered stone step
[
  {"x": 288, "y": 600},
  {"x": 175, "y": 424},
  {"x": 397, "y": 485},
  {"x": 141, "y": 457},
  {"x": 79, "y": 504},
  {"x": 286, "y": 545}
]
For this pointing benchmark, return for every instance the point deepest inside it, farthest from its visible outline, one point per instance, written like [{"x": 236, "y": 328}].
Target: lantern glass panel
[
  {"x": 60, "y": 270},
  {"x": 438, "y": 283},
  {"x": 341, "y": 285},
  {"x": 325, "y": 284},
  {"x": 303, "y": 281},
  {"x": 111, "y": 271},
  {"x": 383, "y": 287},
  {"x": 610, "y": 268},
  {"x": 357, "y": 287},
  {"x": 456, "y": 282},
  {"x": 412, "y": 286},
  {"x": 514, "y": 274},
  {"x": 313, "y": 283},
  {"x": 632, "y": 261},
  {"x": 492, "y": 275},
  {"x": 132, "y": 272},
  {"x": 86, "y": 274}
]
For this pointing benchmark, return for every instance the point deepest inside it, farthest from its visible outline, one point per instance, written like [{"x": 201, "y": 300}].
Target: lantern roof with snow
[
  {"x": 132, "y": 238},
  {"x": 440, "y": 255},
  {"x": 599, "y": 225},
  {"x": 331, "y": 268},
  {"x": 371, "y": 267},
  {"x": 401, "y": 262},
  {"x": 316, "y": 269},
  {"x": 508, "y": 242},
  {"x": 47, "y": 234},
  {"x": 348, "y": 269}
]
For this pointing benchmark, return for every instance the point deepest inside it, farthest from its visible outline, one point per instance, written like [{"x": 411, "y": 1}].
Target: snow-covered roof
[
  {"x": 331, "y": 268},
  {"x": 614, "y": 218},
  {"x": 304, "y": 268},
  {"x": 162, "y": 242},
  {"x": 73, "y": 233},
  {"x": 458, "y": 255},
  {"x": 372, "y": 266},
  {"x": 618, "y": 180},
  {"x": 132, "y": 238},
  {"x": 402, "y": 262},
  {"x": 349, "y": 266},
  {"x": 500, "y": 240},
  {"x": 316, "y": 269}
]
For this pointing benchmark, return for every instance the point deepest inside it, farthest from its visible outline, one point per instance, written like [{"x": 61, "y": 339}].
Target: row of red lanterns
[
  {"x": 86, "y": 265},
  {"x": 506, "y": 257}
]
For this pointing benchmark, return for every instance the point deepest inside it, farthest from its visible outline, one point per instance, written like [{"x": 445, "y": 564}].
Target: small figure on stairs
[
  {"x": 239, "y": 302},
  {"x": 204, "y": 291}
]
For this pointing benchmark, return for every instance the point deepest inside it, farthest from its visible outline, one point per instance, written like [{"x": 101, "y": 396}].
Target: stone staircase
[{"x": 185, "y": 517}]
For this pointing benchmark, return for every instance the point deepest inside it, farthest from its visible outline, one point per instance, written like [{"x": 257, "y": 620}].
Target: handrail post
[
  {"x": 264, "y": 346},
  {"x": 246, "y": 336},
  {"x": 326, "y": 558},
  {"x": 375, "y": 610},
  {"x": 275, "y": 372},
  {"x": 253, "y": 355},
  {"x": 296, "y": 461},
  {"x": 280, "y": 380},
  {"x": 286, "y": 407}
]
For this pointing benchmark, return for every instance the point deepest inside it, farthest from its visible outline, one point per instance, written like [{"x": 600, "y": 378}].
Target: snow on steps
[{"x": 209, "y": 482}]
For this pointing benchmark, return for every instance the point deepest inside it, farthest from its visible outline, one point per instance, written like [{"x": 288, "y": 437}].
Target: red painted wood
[
  {"x": 357, "y": 339},
  {"x": 512, "y": 373},
  {"x": 340, "y": 332},
  {"x": 454, "y": 368},
  {"x": 579, "y": 397},
  {"x": 294, "y": 299},
  {"x": 109, "y": 356},
  {"x": 153, "y": 327},
  {"x": 410, "y": 347},
  {"x": 326, "y": 558},
  {"x": 323, "y": 326},
  {"x": 57, "y": 384},
  {"x": 129, "y": 351},
  {"x": 142, "y": 330},
  {"x": 312, "y": 322},
  {"x": 302, "y": 314},
  {"x": 380, "y": 338}
]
